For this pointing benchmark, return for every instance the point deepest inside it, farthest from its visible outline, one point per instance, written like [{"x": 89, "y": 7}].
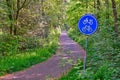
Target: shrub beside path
[{"x": 55, "y": 67}]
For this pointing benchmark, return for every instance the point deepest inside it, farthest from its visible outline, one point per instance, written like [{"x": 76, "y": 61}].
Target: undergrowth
[
  {"x": 102, "y": 59},
  {"x": 15, "y": 56}
]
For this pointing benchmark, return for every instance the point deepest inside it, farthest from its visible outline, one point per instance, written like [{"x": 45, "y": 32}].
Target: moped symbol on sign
[{"x": 87, "y": 24}]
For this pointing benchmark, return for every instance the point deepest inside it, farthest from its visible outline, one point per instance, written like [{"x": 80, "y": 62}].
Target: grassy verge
[
  {"x": 21, "y": 61},
  {"x": 12, "y": 62},
  {"x": 102, "y": 58}
]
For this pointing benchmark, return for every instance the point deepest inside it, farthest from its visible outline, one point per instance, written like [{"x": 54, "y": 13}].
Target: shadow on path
[{"x": 54, "y": 67}]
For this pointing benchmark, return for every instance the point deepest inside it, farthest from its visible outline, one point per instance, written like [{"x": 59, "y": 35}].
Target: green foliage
[
  {"x": 26, "y": 21},
  {"x": 12, "y": 44},
  {"x": 18, "y": 48},
  {"x": 94, "y": 71},
  {"x": 8, "y": 43},
  {"x": 103, "y": 46},
  {"x": 24, "y": 59},
  {"x": 102, "y": 73},
  {"x": 17, "y": 62},
  {"x": 30, "y": 43}
]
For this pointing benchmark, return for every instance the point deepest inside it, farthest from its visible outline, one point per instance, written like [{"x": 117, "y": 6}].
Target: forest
[{"x": 30, "y": 30}]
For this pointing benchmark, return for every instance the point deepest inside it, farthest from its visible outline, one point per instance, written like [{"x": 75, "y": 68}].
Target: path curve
[{"x": 54, "y": 67}]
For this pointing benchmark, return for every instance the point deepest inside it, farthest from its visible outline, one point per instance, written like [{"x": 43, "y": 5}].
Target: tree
[
  {"x": 14, "y": 8},
  {"x": 98, "y": 8},
  {"x": 10, "y": 15},
  {"x": 115, "y": 17},
  {"x": 107, "y": 11}
]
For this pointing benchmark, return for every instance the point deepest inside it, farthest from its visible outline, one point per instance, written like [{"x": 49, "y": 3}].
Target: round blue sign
[{"x": 87, "y": 24}]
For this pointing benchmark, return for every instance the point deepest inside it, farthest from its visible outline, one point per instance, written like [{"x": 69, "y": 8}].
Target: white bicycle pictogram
[
  {"x": 88, "y": 21},
  {"x": 87, "y": 28}
]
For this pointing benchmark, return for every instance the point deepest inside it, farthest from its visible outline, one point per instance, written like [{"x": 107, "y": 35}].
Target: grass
[{"x": 21, "y": 61}]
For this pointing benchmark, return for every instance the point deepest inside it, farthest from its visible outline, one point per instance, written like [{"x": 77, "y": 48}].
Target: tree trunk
[
  {"x": 16, "y": 17},
  {"x": 115, "y": 17},
  {"x": 17, "y": 13},
  {"x": 98, "y": 8},
  {"x": 86, "y": 6},
  {"x": 107, "y": 11},
  {"x": 42, "y": 1},
  {"x": 94, "y": 6},
  {"x": 10, "y": 16}
]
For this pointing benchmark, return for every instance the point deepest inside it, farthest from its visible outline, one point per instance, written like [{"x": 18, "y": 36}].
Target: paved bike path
[{"x": 56, "y": 66}]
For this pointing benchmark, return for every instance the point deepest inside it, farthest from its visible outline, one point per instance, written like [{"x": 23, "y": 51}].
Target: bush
[
  {"x": 8, "y": 44},
  {"x": 30, "y": 43},
  {"x": 102, "y": 73}
]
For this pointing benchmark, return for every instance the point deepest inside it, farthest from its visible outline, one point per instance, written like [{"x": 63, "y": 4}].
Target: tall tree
[
  {"x": 98, "y": 8},
  {"x": 10, "y": 15},
  {"x": 14, "y": 7},
  {"x": 107, "y": 11},
  {"x": 115, "y": 17},
  {"x": 42, "y": 9},
  {"x": 94, "y": 6}
]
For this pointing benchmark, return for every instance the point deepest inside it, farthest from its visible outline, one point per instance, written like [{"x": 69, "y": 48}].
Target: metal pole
[{"x": 85, "y": 58}]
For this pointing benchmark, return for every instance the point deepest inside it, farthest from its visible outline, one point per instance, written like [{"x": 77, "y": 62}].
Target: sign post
[{"x": 87, "y": 25}]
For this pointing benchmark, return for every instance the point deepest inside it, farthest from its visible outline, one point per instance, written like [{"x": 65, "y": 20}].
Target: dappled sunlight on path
[{"x": 54, "y": 67}]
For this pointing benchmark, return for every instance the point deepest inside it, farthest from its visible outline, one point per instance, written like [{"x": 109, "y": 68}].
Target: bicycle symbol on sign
[
  {"x": 88, "y": 21},
  {"x": 87, "y": 27}
]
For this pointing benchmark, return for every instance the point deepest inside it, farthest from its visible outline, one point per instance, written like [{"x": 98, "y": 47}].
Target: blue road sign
[{"x": 87, "y": 24}]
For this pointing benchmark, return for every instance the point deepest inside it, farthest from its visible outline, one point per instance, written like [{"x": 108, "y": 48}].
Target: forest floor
[{"x": 58, "y": 65}]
